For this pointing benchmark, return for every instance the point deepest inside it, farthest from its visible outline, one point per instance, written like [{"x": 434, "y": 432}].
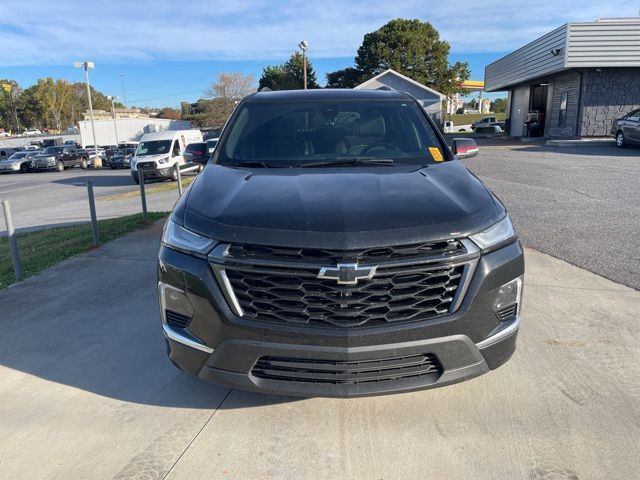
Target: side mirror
[
  {"x": 188, "y": 156},
  {"x": 465, "y": 147}
]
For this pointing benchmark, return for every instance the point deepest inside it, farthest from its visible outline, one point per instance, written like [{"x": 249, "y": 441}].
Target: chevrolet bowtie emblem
[{"x": 347, "y": 273}]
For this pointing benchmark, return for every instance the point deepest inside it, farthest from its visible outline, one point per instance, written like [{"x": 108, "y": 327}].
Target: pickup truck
[
  {"x": 59, "y": 158},
  {"x": 449, "y": 127},
  {"x": 487, "y": 122}
]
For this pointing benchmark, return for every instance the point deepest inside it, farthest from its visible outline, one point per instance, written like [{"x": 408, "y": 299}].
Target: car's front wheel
[
  {"x": 620, "y": 140},
  {"x": 24, "y": 168},
  {"x": 83, "y": 163},
  {"x": 60, "y": 166}
]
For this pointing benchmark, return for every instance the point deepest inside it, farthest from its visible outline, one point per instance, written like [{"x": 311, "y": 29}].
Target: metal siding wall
[
  {"x": 569, "y": 83},
  {"x": 529, "y": 62},
  {"x": 604, "y": 44}
]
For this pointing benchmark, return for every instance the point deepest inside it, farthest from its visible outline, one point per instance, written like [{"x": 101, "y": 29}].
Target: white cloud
[{"x": 40, "y": 32}]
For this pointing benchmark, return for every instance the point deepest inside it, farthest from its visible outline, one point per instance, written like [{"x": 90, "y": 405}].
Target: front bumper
[
  {"x": 221, "y": 347},
  {"x": 155, "y": 173},
  {"x": 9, "y": 168}
]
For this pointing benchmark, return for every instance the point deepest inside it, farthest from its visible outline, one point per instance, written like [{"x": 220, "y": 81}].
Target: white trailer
[{"x": 128, "y": 129}]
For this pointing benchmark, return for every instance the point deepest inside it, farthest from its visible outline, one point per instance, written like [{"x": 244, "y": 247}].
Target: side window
[
  {"x": 176, "y": 149},
  {"x": 634, "y": 116},
  {"x": 562, "y": 114}
]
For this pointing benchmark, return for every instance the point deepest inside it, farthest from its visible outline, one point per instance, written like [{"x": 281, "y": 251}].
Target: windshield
[
  {"x": 50, "y": 150},
  {"x": 153, "y": 147},
  {"x": 295, "y": 133},
  {"x": 18, "y": 155}
]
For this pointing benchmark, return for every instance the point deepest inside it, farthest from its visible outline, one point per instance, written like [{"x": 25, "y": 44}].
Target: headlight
[
  {"x": 163, "y": 160},
  {"x": 501, "y": 232},
  {"x": 179, "y": 238}
]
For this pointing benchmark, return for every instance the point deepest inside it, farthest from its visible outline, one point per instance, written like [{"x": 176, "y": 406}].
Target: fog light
[
  {"x": 508, "y": 299},
  {"x": 175, "y": 307}
]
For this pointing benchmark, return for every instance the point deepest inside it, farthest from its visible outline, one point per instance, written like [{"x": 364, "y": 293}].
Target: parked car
[
  {"x": 18, "y": 162},
  {"x": 336, "y": 246},
  {"x": 122, "y": 158},
  {"x": 487, "y": 122},
  {"x": 32, "y": 131},
  {"x": 52, "y": 142},
  {"x": 91, "y": 154},
  {"x": 158, "y": 154},
  {"x": 7, "y": 152},
  {"x": 197, "y": 152},
  {"x": 59, "y": 158},
  {"x": 626, "y": 130}
]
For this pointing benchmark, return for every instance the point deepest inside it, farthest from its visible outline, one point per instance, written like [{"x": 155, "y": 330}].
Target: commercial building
[{"x": 579, "y": 78}]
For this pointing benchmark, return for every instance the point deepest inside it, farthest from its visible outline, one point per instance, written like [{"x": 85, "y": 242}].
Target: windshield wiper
[{"x": 349, "y": 161}]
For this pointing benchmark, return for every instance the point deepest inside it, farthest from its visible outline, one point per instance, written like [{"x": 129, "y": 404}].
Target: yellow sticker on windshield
[{"x": 436, "y": 154}]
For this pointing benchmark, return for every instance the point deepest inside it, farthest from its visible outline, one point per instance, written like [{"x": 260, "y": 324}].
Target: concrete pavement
[{"x": 88, "y": 393}]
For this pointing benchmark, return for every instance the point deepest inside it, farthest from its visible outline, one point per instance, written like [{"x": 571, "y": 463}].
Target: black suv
[{"x": 335, "y": 246}]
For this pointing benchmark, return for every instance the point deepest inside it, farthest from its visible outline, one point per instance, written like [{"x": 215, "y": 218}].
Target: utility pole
[
  {"x": 97, "y": 162},
  {"x": 304, "y": 46},
  {"x": 113, "y": 114},
  {"x": 124, "y": 92}
]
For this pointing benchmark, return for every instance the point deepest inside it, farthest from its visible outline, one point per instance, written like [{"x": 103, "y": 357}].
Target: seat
[{"x": 364, "y": 134}]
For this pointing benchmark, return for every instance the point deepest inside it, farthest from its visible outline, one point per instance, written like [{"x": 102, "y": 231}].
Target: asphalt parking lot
[
  {"x": 43, "y": 199},
  {"x": 87, "y": 392},
  {"x": 581, "y": 205}
]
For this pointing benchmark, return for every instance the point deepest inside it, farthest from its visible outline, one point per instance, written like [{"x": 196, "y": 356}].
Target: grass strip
[
  {"x": 150, "y": 189},
  {"x": 45, "y": 248}
]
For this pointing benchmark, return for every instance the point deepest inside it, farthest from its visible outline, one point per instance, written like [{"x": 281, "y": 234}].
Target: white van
[{"x": 159, "y": 152}]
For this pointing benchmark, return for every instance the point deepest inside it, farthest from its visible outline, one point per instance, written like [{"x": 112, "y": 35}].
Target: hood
[{"x": 341, "y": 208}]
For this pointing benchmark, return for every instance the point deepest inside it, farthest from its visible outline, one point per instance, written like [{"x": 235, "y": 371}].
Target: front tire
[
  {"x": 24, "y": 168},
  {"x": 620, "y": 140},
  {"x": 83, "y": 164},
  {"x": 174, "y": 175},
  {"x": 60, "y": 166}
]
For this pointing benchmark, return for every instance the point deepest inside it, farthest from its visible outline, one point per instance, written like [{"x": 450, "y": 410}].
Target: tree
[
  {"x": 345, "y": 78},
  {"x": 288, "y": 76},
  {"x": 9, "y": 94},
  {"x": 169, "y": 113},
  {"x": 412, "y": 48},
  {"x": 499, "y": 105},
  {"x": 225, "y": 93}
]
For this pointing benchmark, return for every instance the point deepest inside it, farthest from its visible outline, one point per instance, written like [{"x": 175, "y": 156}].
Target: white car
[{"x": 32, "y": 131}]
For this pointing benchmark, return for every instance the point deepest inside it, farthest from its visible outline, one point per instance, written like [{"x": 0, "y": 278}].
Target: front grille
[
  {"x": 146, "y": 165},
  {"x": 282, "y": 285},
  {"x": 444, "y": 248},
  {"x": 298, "y": 296},
  {"x": 507, "y": 312},
  {"x": 337, "y": 372},
  {"x": 176, "y": 320}
]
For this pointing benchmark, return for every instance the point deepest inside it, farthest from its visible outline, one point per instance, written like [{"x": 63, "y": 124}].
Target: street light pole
[
  {"x": 113, "y": 114},
  {"x": 97, "y": 162},
  {"x": 124, "y": 92},
  {"x": 304, "y": 46}
]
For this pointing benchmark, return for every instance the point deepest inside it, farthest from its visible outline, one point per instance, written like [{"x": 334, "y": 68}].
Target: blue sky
[{"x": 169, "y": 50}]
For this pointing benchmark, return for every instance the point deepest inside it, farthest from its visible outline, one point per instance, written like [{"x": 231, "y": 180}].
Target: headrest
[{"x": 372, "y": 128}]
